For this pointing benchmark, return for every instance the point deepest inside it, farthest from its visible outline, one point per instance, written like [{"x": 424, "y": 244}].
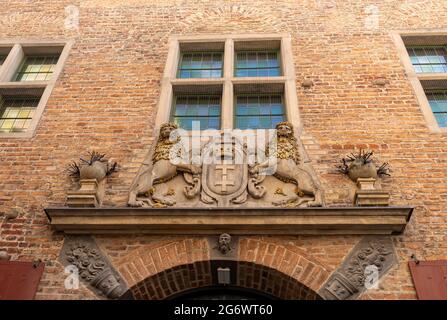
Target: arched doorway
[{"x": 199, "y": 280}]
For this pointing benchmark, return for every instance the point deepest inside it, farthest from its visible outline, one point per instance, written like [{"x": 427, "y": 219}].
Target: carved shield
[{"x": 225, "y": 178}]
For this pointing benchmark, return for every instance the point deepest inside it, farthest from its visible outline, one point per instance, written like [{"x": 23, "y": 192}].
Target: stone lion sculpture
[
  {"x": 290, "y": 169},
  {"x": 159, "y": 169}
]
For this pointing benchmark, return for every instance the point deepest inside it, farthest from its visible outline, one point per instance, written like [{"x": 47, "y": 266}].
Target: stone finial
[
  {"x": 91, "y": 174},
  {"x": 361, "y": 165},
  {"x": 361, "y": 169},
  {"x": 96, "y": 167}
]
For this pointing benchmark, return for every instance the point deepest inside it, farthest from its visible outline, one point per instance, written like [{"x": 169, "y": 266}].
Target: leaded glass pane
[
  {"x": 257, "y": 64},
  {"x": 259, "y": 111},
  {"x": 200, "y": 65},
  {"x": 428, "y": 59},
  {"x": 37, "y": 68},
  {"x": 16, "y": 114},
  {"x": 200, "y": 108},
  {"x": 438, "y": 103}
]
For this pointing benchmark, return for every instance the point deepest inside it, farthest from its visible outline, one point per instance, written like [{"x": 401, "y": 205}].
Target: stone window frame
[
  {"x": 16, "y": 51},
  {"x": 228, "y": 84},
  {"x": 404, "y": 38}
]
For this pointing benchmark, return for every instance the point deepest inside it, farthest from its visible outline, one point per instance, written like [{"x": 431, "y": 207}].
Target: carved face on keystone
[
  {"x": 224, "y": 243},
  {"x": 166, "y": 129},
  {"x": 284, "y": 129}
]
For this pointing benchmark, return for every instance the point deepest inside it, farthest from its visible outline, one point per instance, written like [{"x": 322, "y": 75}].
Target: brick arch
[
  {"x": 185, "y": 278},
  {"x": 230, "y": 12},
  {"x": 169, "y": 266},
  {"x": 148, "y": 260},
  {"x": 286, "y": 258}
]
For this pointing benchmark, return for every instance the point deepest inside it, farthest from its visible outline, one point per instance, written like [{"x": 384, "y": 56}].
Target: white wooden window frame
[
  {"x": 228, "y": 81},
  {"x": 17, "y": 52}
]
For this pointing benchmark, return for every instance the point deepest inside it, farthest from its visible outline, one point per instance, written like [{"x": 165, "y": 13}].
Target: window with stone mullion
[
  {"x": 204, "y": 110},
  {"x": 254, "y": 111},
  {"x": 200, "y": 65},
  {"x": 438, "y": 104},
  {"x": 16, "y": 113},
  {"x": 36, "y": 68},
  {"x": 428, "y": 59},
  {"x": 257, "y": 64}
]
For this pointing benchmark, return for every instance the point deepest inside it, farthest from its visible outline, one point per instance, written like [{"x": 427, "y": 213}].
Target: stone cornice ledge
[{"x": 249, "y": 221}]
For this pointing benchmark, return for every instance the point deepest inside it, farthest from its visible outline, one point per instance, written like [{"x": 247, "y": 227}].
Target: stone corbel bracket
[
  {"x": 371, "y": 254},
  {"x": 93, "y": 267}
]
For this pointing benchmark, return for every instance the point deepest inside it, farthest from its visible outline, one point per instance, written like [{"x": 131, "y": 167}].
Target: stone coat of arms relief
[{"x": 228, "y": 173}]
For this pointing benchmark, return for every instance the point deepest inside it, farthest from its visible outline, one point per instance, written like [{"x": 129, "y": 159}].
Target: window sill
[
  {"x": 432, "y": 76},
  {"x": 17, "y": 135}
]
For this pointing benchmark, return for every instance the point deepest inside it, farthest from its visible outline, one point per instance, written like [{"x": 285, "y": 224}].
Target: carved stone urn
[
  {"x": 361, "y": 169},
  {"x": 91, "y": 174},
  {"x": 97, "y": 170},
  {"x": 357, "y": 169}
]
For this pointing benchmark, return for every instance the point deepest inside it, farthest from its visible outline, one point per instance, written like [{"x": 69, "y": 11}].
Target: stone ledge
[{"x": 248, "y": 221}]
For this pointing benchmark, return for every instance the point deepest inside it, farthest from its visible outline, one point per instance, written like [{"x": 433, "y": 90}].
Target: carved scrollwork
[
  {"x": 224, "y": 173},
  {"x": 349, "y": 279},
  {"x": 254, "y": 189},
  {"x": 375, "y": 254},
  {"x": 92, "y": 266},
  {"x": 194, "y": 187}
]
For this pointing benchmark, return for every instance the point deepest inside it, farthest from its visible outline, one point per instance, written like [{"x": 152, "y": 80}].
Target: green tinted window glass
[
  {"x": 200, "y": 65},
  {"x": 428, "y": 59},
  {"x": 257, "y": 64},
  {"x": 259, "y": 111},
  {"x": 202, "y": 109},
  {"x": 438, "y": 104}
]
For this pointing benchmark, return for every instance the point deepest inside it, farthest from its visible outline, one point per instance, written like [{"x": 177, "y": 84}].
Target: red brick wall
[{"x": 106, "y": 99}]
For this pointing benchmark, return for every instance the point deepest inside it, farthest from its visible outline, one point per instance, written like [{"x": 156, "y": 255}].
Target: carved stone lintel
[
  {"x": 93, "y": 267},
  {"x": 349, "y": 280},
  {"x": 368, "y": 195},
  {"x": 90, "y": 194}
]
